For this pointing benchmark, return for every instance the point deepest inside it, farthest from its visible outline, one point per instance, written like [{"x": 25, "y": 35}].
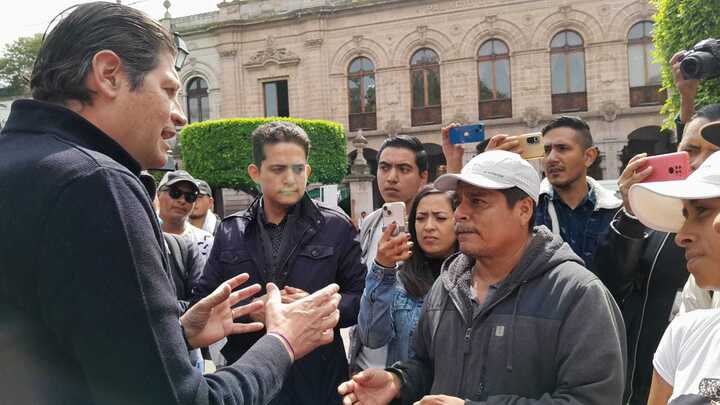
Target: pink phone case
[{"x": 667, "y": 167}]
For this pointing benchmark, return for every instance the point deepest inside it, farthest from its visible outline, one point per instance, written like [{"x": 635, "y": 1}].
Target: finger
[
  {"x": 387, "y": 233},
  {"x": 215, "y": 298},
  {"x": 238, "y": 280},
  {"x": 350, "y": 398},
  {"x": 676, "y": 57},
  {"x": 244, "y": 294},
  {"x": 632, "y": 166},
  {"x": 640, "y": 176},
  {"x": 238, "y": 328},
  {"x": 509, "y": 145},
  {"x": 273, "y": 293},
  {"x": 247, "y": 309},
  {"x": 329, "y": 322},
  {"x": 346, "y": 387},
  {"x": 638, "y": 156}
]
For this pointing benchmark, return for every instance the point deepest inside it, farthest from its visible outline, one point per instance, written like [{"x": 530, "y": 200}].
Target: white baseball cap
[
  {"x": 658, "y": 205},
  {"x": 495, "y": 170}
]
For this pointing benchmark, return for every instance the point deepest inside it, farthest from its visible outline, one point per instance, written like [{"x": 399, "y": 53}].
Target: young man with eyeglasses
[{"x": 178, "y": 192}]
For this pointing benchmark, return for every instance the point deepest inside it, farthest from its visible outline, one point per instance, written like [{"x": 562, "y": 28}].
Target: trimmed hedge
[
  {"x": 219, "y": 151},
  {"x": 680, "y": 24}
]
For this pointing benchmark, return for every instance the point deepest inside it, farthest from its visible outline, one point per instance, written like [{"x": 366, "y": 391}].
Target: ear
[
  {"x": 424, "y": 178},
  {"x": 591, "y": 155},
  {"x": 308, "y": 171},
  {"x": 107, "y": 76},
  {"x": 254, "y": 173},
  {"x": 525, "y": 208}
]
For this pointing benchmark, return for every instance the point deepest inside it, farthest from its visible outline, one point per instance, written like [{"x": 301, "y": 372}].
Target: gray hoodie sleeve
[{"x": 591, "y": 355}]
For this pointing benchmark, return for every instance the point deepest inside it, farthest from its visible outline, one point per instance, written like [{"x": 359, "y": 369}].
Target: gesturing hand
[
  {"x": 393, "y": 249},
  {"x": 211, "y": 318},
  {"x": 370, "y": 387},
  {"x": 306, "y": 323}
]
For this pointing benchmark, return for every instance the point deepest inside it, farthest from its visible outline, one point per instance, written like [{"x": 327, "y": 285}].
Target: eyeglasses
[{"x": 175, "y": 193}]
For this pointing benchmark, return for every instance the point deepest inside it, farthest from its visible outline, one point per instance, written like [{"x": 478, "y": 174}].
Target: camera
[
  {"x": 702, "y": 61},
  {"x": 533, "y": 140}
]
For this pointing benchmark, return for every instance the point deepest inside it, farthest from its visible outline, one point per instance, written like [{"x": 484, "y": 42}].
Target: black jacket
[
  {"x": 88, "y": 312},
  {"x": 321, "y": 250},
  {"x": 644, "y": 270}
]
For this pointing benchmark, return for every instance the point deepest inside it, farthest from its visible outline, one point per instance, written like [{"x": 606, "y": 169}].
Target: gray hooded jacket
[{"x": 551, "y": 334}]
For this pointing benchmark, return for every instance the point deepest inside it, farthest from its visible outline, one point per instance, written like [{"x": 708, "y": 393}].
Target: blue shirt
[{"x": 582, "y": 227}]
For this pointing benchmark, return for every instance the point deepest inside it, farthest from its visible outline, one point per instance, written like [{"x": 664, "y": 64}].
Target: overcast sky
[{"x": 22, "y": 18}]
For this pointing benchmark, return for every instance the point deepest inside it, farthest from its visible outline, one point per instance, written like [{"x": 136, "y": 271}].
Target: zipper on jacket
[
  {"x": 468, "y": 332},
  {"x": 631, "y": 388}
]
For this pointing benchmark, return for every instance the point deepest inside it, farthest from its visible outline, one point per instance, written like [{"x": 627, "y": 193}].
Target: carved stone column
[{"x": 360, "y": 182}]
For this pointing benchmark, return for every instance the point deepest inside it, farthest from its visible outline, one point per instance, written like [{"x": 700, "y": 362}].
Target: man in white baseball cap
[
  {"x": 517, "y": 291},
  {"x": 687, "y": 361}
]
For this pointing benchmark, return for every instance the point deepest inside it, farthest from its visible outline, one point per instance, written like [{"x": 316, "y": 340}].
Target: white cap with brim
[
  {"x": 495, "y": 170},
  {"x": 658, "y": 205}
]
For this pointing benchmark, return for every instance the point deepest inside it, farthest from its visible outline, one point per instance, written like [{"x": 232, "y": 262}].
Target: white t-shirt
[
  {"x": 203, "y": 240},
  {"x": 689, "y": 352}
]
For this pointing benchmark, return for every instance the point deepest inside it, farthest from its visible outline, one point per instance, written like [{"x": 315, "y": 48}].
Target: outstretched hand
[
  {"x": 370, "y": 387},
  {"x": 212, "y": 318}
]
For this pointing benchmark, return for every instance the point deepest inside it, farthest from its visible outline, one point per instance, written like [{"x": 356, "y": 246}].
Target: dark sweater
[{"x": 88, "y": 312}]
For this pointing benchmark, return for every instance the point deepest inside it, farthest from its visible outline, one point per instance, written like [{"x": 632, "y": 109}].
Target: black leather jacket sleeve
[{"x": 617, "y": 260}]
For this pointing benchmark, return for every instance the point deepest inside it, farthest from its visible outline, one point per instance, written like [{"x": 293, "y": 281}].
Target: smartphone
[
  {"x": 667, "y": 167},
  {"x": 532, "y": 145},
  {"x": 467, "y": 134},
  {"x": 394, "y": 212}
]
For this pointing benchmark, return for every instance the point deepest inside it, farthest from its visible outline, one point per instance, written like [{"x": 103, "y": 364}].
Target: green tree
[
  {"x": 16, "y": 65},
  {"x": 219, "y": 151},
  {"x": 680, "y": 24}
]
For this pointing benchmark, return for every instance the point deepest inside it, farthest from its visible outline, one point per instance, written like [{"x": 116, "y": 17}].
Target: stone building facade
[{"x": 249, "y": 51}]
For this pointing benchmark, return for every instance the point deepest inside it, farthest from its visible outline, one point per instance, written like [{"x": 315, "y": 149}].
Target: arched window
[
  {"x": 198, "y": 102},
  {"x": 567, "y": 61},
  {"x": 425, "y": 81},
  {"x": 361, "y": 94},
  {"x": 494, "y": 72},
  {"x": 643, "y": 74}
]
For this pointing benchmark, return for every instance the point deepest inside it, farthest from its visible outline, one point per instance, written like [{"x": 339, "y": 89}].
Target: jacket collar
[
  {"x": 604, "y": 198},
  {"x": 308, "y": 210},
  {"x": 31, "y": 116}
]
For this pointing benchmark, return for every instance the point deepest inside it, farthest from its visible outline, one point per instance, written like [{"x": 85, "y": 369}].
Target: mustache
[{"x": 462, "y": 228}]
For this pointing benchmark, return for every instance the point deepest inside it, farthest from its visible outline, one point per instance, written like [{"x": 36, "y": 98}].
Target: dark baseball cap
[
  {"x": 204, "y": 187},
  {"x": 178, "y": 176},
  {"x": 711, "y": 132}
]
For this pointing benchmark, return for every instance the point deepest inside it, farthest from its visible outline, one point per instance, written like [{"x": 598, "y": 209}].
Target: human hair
[
  {"x": 277, "y": 132},
  {"x": 582, "y": 129},
  {"x": 710, "y": 112},
  {"x": 417, "y": 277},
  {"x": 411, "y": 143},
  {"x": 66, "y": 55},
  {"x": 513, "y": 196}
]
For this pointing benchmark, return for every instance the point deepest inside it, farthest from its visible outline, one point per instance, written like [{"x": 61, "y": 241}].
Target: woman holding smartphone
[{"x": 405, "y": 268}]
